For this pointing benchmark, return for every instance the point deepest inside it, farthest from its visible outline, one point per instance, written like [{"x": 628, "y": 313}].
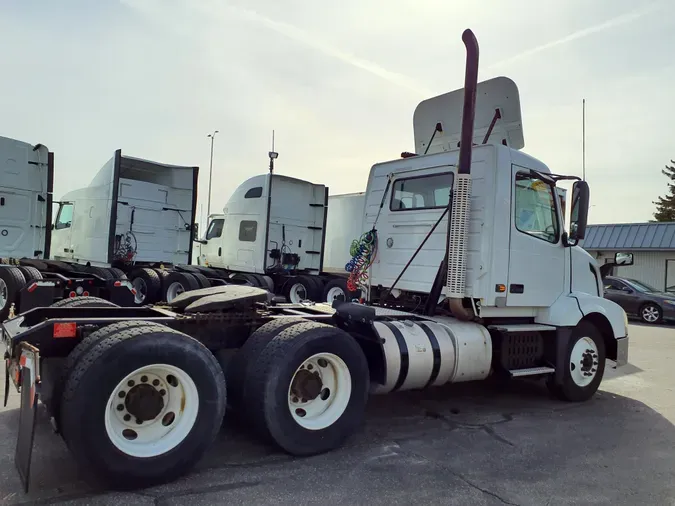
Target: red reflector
[
  {"x": 70, "y": 282},
  {"x": 62, "y": 330},
  {"x": 85, "y": 294},
  {"x": 32, "y": 287},
  {"x": 117, "y": 283},
  {"x": 133, "y": 291},
  {"x": 72, "y": 294}
]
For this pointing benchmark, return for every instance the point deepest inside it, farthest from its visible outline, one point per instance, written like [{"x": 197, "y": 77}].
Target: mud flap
[
  {"x": 6, "y": 380},
  {"x": 27, "y": 416}
]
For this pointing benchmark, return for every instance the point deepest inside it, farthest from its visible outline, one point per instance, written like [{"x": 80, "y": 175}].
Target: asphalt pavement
[{"x": 457, "y": 445}]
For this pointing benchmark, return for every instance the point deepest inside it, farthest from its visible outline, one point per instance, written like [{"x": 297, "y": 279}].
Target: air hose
[{"x": 363, "y": 251}]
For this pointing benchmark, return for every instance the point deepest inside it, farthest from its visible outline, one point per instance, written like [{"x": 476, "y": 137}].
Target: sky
[{"x": 338, "y": 82}]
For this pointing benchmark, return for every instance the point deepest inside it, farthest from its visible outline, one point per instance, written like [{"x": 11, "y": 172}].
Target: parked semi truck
[
  {"x": 502, "y": 291},
  {"x": 120, "y": 238},
  {"x": 28, "y": 278}
]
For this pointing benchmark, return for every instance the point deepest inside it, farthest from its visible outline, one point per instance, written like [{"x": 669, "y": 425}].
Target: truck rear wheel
[
  {"x": 83, "y": 302},
  {"x": 177, "y": 283},
  {"x": 117, "y": 273},
  {"x": 336, "y": 289},
  {"x": 147, "y": 284},
  {"x": 236, "y": 371},
  {"x": 11, "y": 282},
  {"x": 85, "y": 345},
  {"x": 299, "y": 288},
  {"x": 30, "y": 273},
  {"x": 100, "y": 272},
  {"x": 201, "y": 279},
  {"x": 307, "y": 391},
  {"x": 584, "y": 365},
  {"x": 142, "y": 406}
]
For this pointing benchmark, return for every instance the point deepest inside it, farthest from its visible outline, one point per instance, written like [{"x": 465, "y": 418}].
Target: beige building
[{"x": 652, "y": 245}]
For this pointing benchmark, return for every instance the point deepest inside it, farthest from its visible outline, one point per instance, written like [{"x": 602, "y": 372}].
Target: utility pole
[
  {"x": 583, "y": 139},
  {"x": 208, "y": 205}
]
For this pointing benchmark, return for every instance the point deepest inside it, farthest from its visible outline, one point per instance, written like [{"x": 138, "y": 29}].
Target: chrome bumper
[{"x": 622, "y": 351}]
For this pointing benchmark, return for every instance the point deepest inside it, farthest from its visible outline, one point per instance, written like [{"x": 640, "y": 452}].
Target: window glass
[
  {"x": 535, "y": 208},
  {"x": 248, "y": 230},
  {"x": 215, "y": 229},
  {"x": 421, "y": 192},
  {"x": 254, "y": 193},
  {"x": 65, "y": 217}
]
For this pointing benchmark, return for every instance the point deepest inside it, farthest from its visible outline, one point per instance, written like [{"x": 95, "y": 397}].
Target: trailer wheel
[
  {"x": 30, "y": 273},
  {"x": 299, "y": 288},
  {"x": 142, "y": 406},
  {"x": 11, "y": 282},
  {"x": 179, "y": 282},
  {"x": 336, "y": 289},
  {"x": 117, "y": 273},
  {"x": 147, "y": 284},
  {"x": 584, "y": 365},
  {"x": 201, "y": 279},
  {"x": 308, "y": 389},
  {"x": 235, "y": 372},
  {"x": 83, "y": 302}
]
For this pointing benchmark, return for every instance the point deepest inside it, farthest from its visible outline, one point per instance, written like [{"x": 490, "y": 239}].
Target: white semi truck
[
  {"x": 118, "y": 238},
  {"x": 500, "y": 290}
]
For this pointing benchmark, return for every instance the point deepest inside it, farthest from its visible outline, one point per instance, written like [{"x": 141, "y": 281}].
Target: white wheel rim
[
  {"x": 141, "y": 290},
  {"x": 333, "y": 394},
  {"x": 584, "y": 361},
  {"x": 298, "y": 293},
  {"x": 650, "y": 314},
  {"x": 174, "y": 290},
  {"x": 334, "y": 293},
  {"x": 172, "y": 423},
  {"x": 4, "y": 295}
]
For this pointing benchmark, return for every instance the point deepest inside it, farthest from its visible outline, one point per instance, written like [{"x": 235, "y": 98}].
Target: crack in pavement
[
  {"x": 485, "y": 427},
  {"x": 456, "y": 474}
]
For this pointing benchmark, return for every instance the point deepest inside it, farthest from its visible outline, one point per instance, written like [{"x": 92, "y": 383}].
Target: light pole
[{"x": 208, "y": 204}]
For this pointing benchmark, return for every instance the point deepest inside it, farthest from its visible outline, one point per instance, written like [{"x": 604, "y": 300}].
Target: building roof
[{"x": 630, "y": 236}]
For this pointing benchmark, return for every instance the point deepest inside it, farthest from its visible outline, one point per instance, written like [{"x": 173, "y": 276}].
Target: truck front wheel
[
  {"x": 584, "y": 365},
  {"x": 142, "y": 406},
  {"x": 307, "y": 391}
]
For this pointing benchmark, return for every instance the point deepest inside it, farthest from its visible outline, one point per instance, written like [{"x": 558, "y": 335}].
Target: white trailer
[{"x": 139, "y": 393}]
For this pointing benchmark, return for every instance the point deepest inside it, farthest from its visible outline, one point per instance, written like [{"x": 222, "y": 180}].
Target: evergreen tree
[{"x": 665, "y": 206}]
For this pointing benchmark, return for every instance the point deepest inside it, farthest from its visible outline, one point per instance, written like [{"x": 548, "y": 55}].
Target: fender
[{"x": 614, "y": 313}]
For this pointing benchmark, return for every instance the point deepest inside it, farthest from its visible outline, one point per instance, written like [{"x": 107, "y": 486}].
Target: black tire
[
  {"x": 201, "y": 279},
  {"x": 236, "y": 371},
  {"x": 338, "y": 283},
  {"x": 163, "y": 276},
  {"x": 117, "y": 273},
  {"x": 250, "y": 279},
  {"x": 307, "y": 284},
  {"x": 569, "y": 390},
  {"x": 260, "y": 279},
  {"x": 82, "y": 347},
  {"x": 270, "y": 283},
  {"x": 269, "y": 377},
  {"x": 96, "y": 376},
  {"x": 30, "y": 273},
  {"x": 650, "y": 310},
  {"x": 318, "y": 288},
  {"x": 100, "y": 272},
  {"x": 185, "y": 279},
  {"x": 13, "y": 281},
  {"x": 153, "y": 285},
  {"x": 84, "y": 302}
]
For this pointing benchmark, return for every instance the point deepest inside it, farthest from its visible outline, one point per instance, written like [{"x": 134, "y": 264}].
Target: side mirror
[
  {"x": 627, "y": 290},
  {"x": 579, "y": 212},
  {"x": 52, "y": 226},
  {"x": 621, "y": 258}
]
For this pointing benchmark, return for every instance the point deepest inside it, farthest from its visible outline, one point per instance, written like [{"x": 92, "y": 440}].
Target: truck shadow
[{"x": 482, "y": 430}]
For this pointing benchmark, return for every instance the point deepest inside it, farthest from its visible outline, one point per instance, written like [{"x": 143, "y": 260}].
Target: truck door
[
  {"x": 212, "y": 251},
  {"x": 537, "y": 255},
  {"x": 412, "y": 206},
  {"x": 61, "y": 246}
]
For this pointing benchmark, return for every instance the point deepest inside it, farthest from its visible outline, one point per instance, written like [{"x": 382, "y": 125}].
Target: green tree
[{"x": 665, "y": 206}]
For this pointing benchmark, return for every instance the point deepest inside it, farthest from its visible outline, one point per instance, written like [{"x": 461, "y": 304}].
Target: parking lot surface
[{"x": 464, "y": 444}]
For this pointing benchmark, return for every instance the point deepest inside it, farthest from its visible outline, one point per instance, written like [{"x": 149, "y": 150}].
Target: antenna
[{"x": 583, "y": 139}]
